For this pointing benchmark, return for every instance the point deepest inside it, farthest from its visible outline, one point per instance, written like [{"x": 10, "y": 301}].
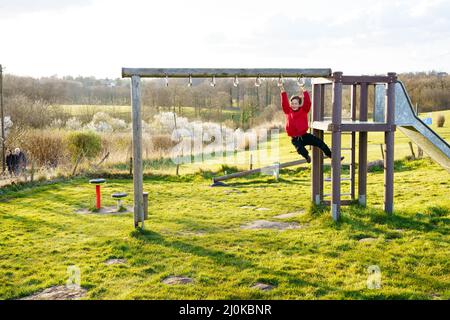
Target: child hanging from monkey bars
[{"x": 296, "y": 111}]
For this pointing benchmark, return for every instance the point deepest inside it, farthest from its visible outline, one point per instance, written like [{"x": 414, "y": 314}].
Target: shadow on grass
[
  {"x": 367, "y": 222},
  {"x": 32, "y": 225},
  {"x": 254, "y": 180},
  {"x": 219, "y": 257},
  {"x": 193, "y": 226},
  {"x": 403, "y": 165},
  {"x": 227, "y": 259}
]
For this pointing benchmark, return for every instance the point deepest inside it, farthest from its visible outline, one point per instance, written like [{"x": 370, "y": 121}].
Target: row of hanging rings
[
  {"x": 300, "y": 81},
  {"x": 258, "y": 81}
]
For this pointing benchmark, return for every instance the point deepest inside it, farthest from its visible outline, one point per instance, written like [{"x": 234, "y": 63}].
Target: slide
[{"x": 414, "y": 128}]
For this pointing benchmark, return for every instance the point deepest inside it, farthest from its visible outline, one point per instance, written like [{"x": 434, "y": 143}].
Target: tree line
[{"x": 30, "y": 101}]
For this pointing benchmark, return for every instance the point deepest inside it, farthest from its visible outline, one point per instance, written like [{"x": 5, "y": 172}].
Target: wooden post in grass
[
  {"x": 389, "y": 142},
  {"x": 362, "y": 156},
  {"x": 131, "y": 166},
  {"x": 76, "y": 164},
  {"x": 178, "y": 156},
  {"x": 32, "y": 170},
  {"x": 317, "y": 161},
  {"x": 412, "y": 150},
  {"x": 137, "y": 151},
  {"x": 382, "y": 151},
  {"x": 336, "y": 118},
  {"x": 145, "y": 197}
]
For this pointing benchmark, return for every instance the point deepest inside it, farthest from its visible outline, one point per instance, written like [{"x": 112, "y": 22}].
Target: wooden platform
[{"x": 352, "y": 126}]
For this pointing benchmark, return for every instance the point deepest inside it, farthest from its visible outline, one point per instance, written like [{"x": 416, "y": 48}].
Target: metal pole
[{"x": 2, "y": 120}]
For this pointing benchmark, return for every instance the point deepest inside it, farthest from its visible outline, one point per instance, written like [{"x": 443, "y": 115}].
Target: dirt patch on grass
[
  {"x": 368, "y": 240},
  {"x": 105, "y": 210},
  {"x": 115, "y": 261},
  {"x": 289, "y": 215},
  {"x": 263, "y": 286},
  {"x": 58, "y": 293},
  {"x": 193, "y": 233},
  {"x": 264, "y": 224},
  {"x": 232, "y": 191},
  {"x": 177, "y": 280}
]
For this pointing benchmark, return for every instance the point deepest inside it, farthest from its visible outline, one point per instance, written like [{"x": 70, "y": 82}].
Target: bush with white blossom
[
  {"x": 73, "y": 124},
  {"x": 101, "y": 122},
  {"x": 8, "y": 124}
]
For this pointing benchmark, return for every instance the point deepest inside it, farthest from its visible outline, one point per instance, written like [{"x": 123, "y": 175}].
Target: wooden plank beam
[
  {"x": 349, "y": 126},
  {"x": 321, "y": 81},
  {"x": 258, "y": 170},
  {"x": 364, "y": 79},
  {"x": 223, "y": 72}
]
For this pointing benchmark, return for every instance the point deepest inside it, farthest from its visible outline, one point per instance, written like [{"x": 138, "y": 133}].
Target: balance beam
[{"x": 217, "y": 181}]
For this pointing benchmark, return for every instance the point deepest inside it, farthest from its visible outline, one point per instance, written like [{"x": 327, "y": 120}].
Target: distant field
[
  {"x": 125, "y": 111},
  {"x": 78, "y": 109}
]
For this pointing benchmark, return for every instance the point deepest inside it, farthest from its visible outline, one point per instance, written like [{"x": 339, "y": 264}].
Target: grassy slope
[{"x": 194, "y": 230}]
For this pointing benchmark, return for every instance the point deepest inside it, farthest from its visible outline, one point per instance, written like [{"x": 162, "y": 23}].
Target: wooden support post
[
  {"x": 278, "y": 166},
  {"x": 362, "y": 160},
  {"x": 145, "y": 197},
  {"x": 131, "y": 166},
  {"x": 321, "y": 136},
  {"x": 419, "y": 152},
  {"x": 316, "y": 153},
  {"x": 32, "y": 170},
  {"x": 137, "y": 151},
  {"x": 412, "y": 150},
  {"x": 336, "y": 146},
  {"x": 353, "y": 146},
  {"x": 389, "y": 141}
]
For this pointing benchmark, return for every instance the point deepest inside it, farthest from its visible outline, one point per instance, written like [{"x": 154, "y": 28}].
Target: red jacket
[{"x": 296, "y": 121}]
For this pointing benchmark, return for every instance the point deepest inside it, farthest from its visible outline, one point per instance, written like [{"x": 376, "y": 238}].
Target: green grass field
[{"x": 195, "y": 231}]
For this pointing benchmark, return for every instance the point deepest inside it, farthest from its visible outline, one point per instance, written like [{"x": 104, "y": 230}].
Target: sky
[{"x": 98, "y": 37}]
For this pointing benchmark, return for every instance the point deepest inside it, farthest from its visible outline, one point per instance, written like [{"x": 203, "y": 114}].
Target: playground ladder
[{"x": 351, "y": 166}]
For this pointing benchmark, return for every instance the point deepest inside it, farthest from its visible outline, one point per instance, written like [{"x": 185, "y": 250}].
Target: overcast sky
[{"x": 98, "y": 37}]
